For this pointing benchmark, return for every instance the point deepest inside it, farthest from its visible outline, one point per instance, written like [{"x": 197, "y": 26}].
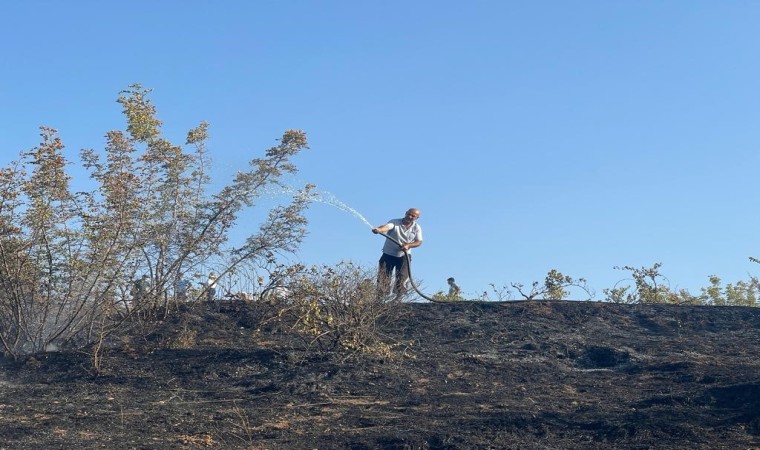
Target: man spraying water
[{"x": 408, "y": 233}]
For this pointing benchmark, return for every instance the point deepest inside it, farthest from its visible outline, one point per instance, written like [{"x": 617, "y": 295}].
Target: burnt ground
[{"x": 516, "y": 375}]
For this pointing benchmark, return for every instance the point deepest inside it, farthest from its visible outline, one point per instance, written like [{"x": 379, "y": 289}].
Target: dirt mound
[{"x": 538, "y": 375}]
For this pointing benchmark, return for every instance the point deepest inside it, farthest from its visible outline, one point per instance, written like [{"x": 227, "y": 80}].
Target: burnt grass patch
[{"x": 513, "y": 375}]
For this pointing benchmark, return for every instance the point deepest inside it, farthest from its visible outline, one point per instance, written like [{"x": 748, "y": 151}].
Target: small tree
[
  {"x": 68, "y": 259},
  {"x": 648, "y": 287},
  {"x": 554, "y": 287}
]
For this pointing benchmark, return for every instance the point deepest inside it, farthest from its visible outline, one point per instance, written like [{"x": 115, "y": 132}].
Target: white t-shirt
[{"x": 402, "y": 234}]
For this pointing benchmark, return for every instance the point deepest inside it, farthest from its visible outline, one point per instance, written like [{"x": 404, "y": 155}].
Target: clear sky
[{"x": 532, "y": 135}]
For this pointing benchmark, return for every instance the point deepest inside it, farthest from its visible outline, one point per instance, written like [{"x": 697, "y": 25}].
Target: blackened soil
[{"x": 518, "y": 375}]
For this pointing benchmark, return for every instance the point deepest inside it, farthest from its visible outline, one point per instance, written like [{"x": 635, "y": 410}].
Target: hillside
[{"x": 516, "y": 375}]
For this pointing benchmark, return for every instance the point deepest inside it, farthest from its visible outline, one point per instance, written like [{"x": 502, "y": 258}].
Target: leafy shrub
[{"x": 70, "y": 258}]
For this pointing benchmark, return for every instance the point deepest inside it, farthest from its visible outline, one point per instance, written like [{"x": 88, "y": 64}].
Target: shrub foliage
[{"x": 68, "y": 260}]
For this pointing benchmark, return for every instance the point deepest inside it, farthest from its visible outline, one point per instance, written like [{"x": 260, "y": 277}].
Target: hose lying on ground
[{"x": 409, "y": 271}]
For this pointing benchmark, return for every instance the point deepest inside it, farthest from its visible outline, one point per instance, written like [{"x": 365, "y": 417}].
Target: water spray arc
[{"x": 316, "y": 195}]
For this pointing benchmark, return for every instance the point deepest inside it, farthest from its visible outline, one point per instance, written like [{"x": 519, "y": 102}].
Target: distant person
[
  {"x": 454, "y": 290},
  {"x": 182, "y": 286},
  {"x": 140, "y": 288},
  {"x": 211, "y": 286},
  {"x": 408, "y": 233},
  {"x": 278, "y": 293}
]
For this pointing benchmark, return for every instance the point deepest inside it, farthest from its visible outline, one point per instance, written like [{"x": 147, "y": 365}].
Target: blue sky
[{"x": 536, "y": 135}]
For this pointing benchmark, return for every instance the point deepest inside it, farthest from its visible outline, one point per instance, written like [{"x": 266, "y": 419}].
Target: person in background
[
  {"x": 454, "y": 290},
  {"x": 211, "y": 286},
  {"x": 394, "y": 258},
  {"x": 181, "y": 292},
  {"x": 140, "y": 288}
]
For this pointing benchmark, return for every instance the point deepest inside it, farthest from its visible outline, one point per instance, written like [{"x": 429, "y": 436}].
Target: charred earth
[{"x": 514, "y": 375}]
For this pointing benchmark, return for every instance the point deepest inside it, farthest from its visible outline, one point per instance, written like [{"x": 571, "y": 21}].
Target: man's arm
[
  {"x": 383, "y": 228},
  {"x": 409, "y": 245}
]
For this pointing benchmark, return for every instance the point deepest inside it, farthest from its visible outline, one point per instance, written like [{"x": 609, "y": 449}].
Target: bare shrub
[
  {"x": 556, "y": 286},
  {"x": 338, "y": 308}
]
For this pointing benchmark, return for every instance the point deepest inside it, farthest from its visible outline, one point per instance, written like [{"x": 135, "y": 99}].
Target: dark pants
[{"x": 385, "y": 277}]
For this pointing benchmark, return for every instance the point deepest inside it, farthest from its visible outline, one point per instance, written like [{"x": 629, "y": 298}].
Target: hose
[{"x": 409, "y": 271}]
